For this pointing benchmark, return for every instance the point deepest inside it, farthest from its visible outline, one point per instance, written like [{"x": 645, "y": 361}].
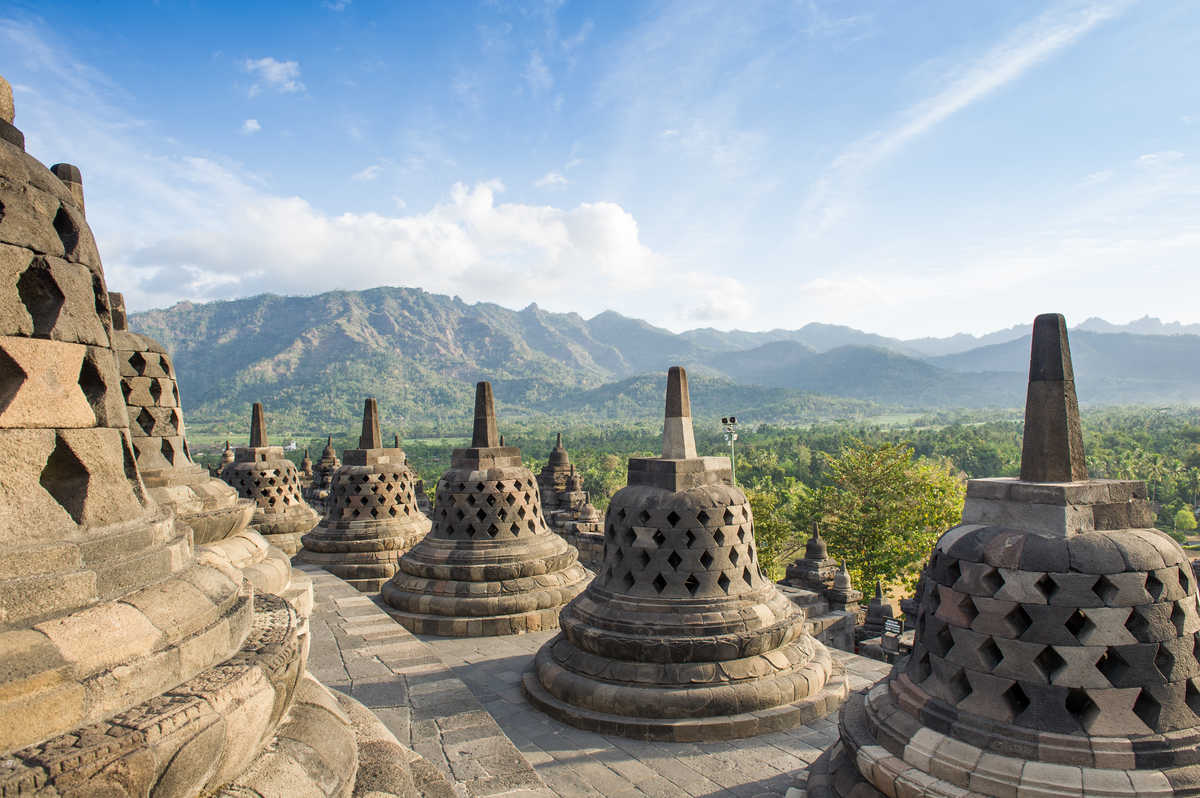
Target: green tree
[
  {"x": 1185, "y": 520},
  {"x": 778, "y": 523},
  {"x": 883, "y": 509}
]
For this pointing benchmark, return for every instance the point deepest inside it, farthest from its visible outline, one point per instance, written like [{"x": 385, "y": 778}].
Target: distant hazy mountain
[
  {"x": 1146, "y": 325},
  {"x": 313, "y": 359}
]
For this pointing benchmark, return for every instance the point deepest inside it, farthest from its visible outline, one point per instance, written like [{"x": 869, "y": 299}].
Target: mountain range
[{"x": 312, "y": 359}]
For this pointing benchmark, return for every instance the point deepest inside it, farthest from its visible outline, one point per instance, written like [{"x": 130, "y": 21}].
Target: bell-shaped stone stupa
[
  {"x": 680, "y": 636},
  {"x": 490, "y": 566},
  {"x": 129, "y": 666},
  {"x": 1055, "y": 648},
  {"x": 372, "y": 515},
  {"x": 261, "y": 473}
]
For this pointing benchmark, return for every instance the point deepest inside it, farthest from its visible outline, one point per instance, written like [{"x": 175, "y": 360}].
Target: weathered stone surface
[
  {"x": 490, "y": 565},
  {"x": 680, "y": 637}
]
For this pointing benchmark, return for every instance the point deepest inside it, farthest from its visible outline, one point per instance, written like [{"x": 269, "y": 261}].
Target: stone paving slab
[
  {"x": 573, "y": 762},
  {"x": 358, "y": 649}
]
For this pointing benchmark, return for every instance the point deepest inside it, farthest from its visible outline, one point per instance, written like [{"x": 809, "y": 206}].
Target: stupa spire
[
  {"x": 258, "y": 426},
  {"x": 679, "y": 440},
  {"x": 370, "y": 438},
  {"x": 1052, "y": 450},
  {"x": 484, "y": 435}
]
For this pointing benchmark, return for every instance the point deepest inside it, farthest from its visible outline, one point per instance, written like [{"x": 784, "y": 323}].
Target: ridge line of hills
[{"x": 313, "y": 358}]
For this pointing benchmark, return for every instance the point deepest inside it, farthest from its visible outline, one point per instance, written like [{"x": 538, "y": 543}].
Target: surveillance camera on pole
[{"x": 729, "y": 425}]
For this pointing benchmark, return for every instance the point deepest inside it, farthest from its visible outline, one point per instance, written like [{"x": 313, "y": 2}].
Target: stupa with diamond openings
[
  {"x": 130, "y": 664},
  {"x": 1055, "y": 648},
  {"x": 680, "y": 636},
  {"x": 261, "y": 473},
  {"x": 490, "y": 565},
  {"x": 372, "y": 516}
]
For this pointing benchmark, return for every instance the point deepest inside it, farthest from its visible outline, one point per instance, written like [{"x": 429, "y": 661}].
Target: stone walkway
[
  {"x": 360, "y": 650},
  {"x": 573, "y": 762},
  {"x": 458, "y": 703}
]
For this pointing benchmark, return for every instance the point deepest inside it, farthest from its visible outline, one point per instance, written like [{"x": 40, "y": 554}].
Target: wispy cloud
[
  {"x": 250, "y": 127},
  {"x": 368, "y": 174},
  {"x": 537, "y": 74},
  {"x": 1162, "y": 158},
  {"x": 282, "y": 76},
  {"x": 336, "y": 5},
  {"x": 1010, "y": 59},
  {"x": 551, "y": 179}
]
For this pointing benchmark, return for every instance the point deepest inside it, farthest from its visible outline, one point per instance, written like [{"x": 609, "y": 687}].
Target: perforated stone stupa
[
  {"x": 320, "y": 481},
  {"x": 210, "y": 507},
  {"x": 261, "y": 473},
  {"x": 128, "y": 666},
  {"x": 1056, "y": 639},
  {"x": 680, "y": 636},
  {"x": 490, "y": 565},
  {"x": 372, "y": 518}
]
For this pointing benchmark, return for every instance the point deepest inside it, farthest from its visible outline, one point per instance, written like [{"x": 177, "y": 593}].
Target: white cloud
[
  {"x": 282, "y": 76},
  {"x": 1153, "y": 159},
  {"x": 251, "y": 126},
  {"x": 537, "y": 74},
  {"x": 336, "y": 5},
  {"x": 369, "y": 173},
  {"x": 1102, "y": 176},
  {"x": 714, "y": 299},
  {"x": 1025, "y": 48},
  {"x": 551, "y": 179}
]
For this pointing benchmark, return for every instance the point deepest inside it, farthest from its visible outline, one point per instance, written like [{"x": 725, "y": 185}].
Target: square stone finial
[
  {"x": 258, "y": 426},
  {"x": 116, "y": 306},
  {"x": 679, "y": 439},
  {"x": 484, "y": 434},
  {"x": 370, "y": 437},
  {"x": 1052, "y": 449}
]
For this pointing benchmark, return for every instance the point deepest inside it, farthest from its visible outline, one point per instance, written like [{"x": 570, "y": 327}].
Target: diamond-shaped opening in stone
[
  {"x": 1105, "y": 590},
  {"x": 942, "y": 642},
  {"x": 145, "y": 421},
  {"x": 702, "y": 517},
  {"x": 1080, "y": 626},
  {"x": 728, "y": 516},
  {"x": 629, "y": 580},
  {"x": 967, "y": 607},
  {"x": 990, "y": 654},
  {"x": 90, "y": 381},
  {"x": 492, "y": 530},
  {"x": 706, "y": 560},
  {"x": 1046, "y": 586},
  {"x": 1191, "y": 695},
  {"x": 522, "y": 512},
  {"x": 723, "y": 582},
  {"x": 175, "y": 393},
  {"x": 935, "y": 597},
  {"x": 953, "y": 572},
  {"x": 66, "y": 479},
  {"x": 1016, "y": 700},
  {"x": 42, "y": 297},
  {"x": 1049, "y": 663},
  {"x": 1196, "y": 646},
  {"x": 992, "y": 581},
  {"x": 1112, "y": 666},
  {"x": 168, "y": 451},
  {"x": 630, "y": 537},
  {"x": 1081, "y": 707},
  {"x": 719, "y": 537},
  {"x": 621, "y": 514},
  {"x": 155, "y": 390},
  {"x": 748, "y": 576},
  {"x": 692, "y": 584},
  {"x": 958, "y": 686},
  {"x": 1138, "y": 626},
  {"x": 644, "y": 558},
  {"x": 658, "y": 537},
  {"x": 1164, "y": 660},
  {"x": 1185, "y": 579},
  {"x": 673, "y": 560},
  {"x": 392, "y": 512},
  {"x": 491, "y": 499},
  {"x": 734, "y": 556},
  {"x": 480, "y": 514},
  {"x": 67, "y": 230},
  {"x": 502, "y": 514},
  {"x": 673, "y": 518},
  {"x": 479, "y": 486},
  {"x": 659, "y": 583},
  {"x": 644, "y": 516},
  {"x": 1147, "y": 708},
  {"x": 510, "y": 499},
  {"x": 126, "y": 389},
  {"x": 620, "y": 555},
  {"x": 138, "y": 362},
  {"x": 690, "y": 537},
  {"x": 1154, "y": 585},
  {"x": 471, "y": 499},
  {"x": 374, "y": 512},
  {"x": 1178, "y": 617},
  {"x": 459, "y": 514}
]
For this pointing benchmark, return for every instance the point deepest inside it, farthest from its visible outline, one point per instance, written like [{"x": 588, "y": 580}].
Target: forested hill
[{"x": 312, "y": 360}]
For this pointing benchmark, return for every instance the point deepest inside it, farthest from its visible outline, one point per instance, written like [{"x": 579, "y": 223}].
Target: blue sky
[{"x": 906, "y": 167}]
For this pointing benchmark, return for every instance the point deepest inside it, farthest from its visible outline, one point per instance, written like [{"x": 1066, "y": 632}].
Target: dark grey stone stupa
[
  {"x": 1056, "y": 645},
  {"x": 490, "y": 565},
  {"x": 680, "y": 636},
  {"x": 372, "y": 515}
]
